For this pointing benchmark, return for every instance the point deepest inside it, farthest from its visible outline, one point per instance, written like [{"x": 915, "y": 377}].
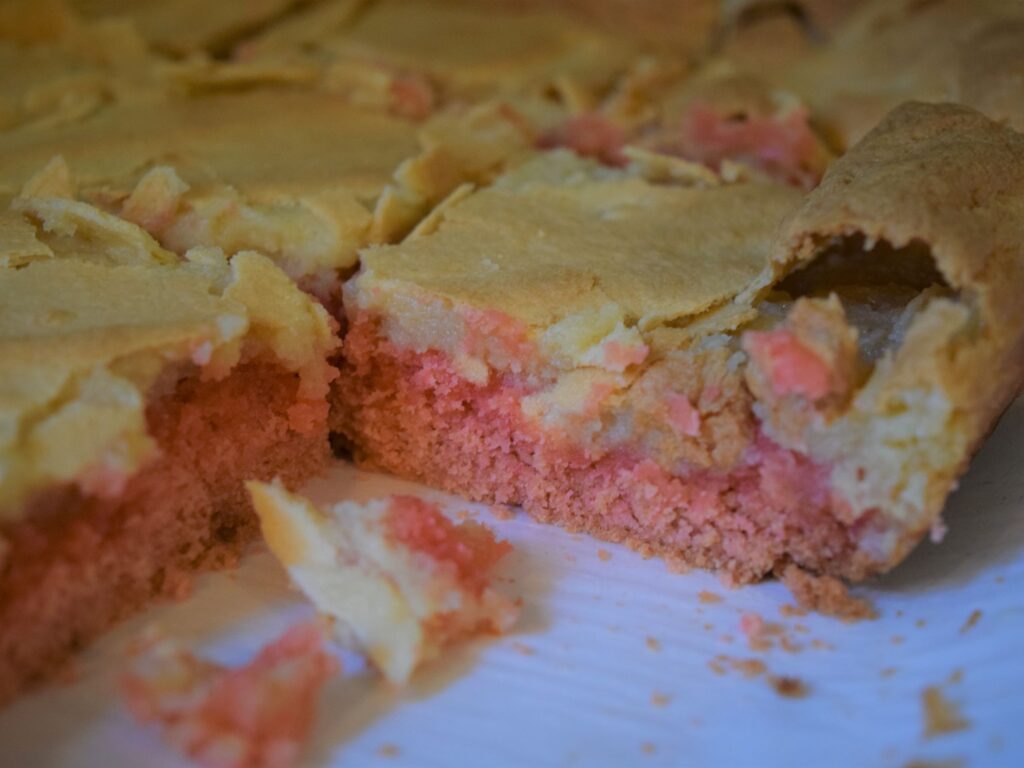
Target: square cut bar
[
  {"x": 138, "y": 390},
  {"x": 730, "y": 376}
]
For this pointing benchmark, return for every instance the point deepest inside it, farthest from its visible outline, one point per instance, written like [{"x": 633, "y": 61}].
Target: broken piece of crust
[
  {"x": 399, "y": 579},
  {"x": 936, "y": 188}
]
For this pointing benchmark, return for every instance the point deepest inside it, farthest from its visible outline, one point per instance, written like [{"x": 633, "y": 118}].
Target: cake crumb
[
  {"x": 716, "y": 666},
  {"x": 502, "y": 512},
  {"x": 659, "y": 699},
  {"x": 789, "y": 687},
  {"x": 648, "y": 748},
  {"x": 789, "y": 645},
  {"x": 749, "y": 667},
  {"x": 653, "y": 643},
  {"x": 921, "y": 624},
  {"x": 888, "y": 672},
  {"x": 523, "y": 649},
  {"x": 897, "y": 639},
  {"x": 826, "y": 595},
  {"x": 971, "y": 621},
  {"x": 388, "y": 750},
  {"x": 955, "y": 676},
  {"x": 941, "y": 715},
  {"x": 788, "y": 610},
  {"x": 604, "y": 555},
  {"x": 822, "y": 645},
  {"x": 953, "y": 762},
  {"x": 709, "y": 598}
]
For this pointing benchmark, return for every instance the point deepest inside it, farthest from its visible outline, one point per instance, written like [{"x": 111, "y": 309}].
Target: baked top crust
[
  {"x": 562, "y": 236},
  {"x": 458, "y": 46},
  {"x": 945, "y": 183},
  {"x": 97, "y": 314},
  {"x": 967, "y": 51}
]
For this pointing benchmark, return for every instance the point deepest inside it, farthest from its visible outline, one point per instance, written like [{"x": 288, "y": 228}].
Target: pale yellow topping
[
  {"x": 467, "y": 49},
  {"x": 560, "y": 237},
  {"x": 89, "y": 325},
  {"x": 181, "y": 26}
]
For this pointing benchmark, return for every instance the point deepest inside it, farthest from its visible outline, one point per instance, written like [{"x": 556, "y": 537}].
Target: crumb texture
[{"x": 412, "y": 414}]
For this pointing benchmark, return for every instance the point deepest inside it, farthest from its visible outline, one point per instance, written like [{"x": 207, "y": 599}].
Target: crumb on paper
[
  {"x": 570, "y": 558},
  {"x": 973, "y": 619},
  {"x": 709, "y": 598},
  {"x": 752, "y": 625},
  {"x": 659, "y": 699},
  {"x": 955, "y": 676},
  {"x": 604, "y": 555},
  {"x": 788, "y": 610},
  {"x": 709, "y": 627},
  {"x": 388, "y": 750},
  {"x": 677, "y": 565},
  {"x": 749, "y": 667},
  {"x": 523, "y": 649},
  {"x": 888, "y": 672},
  {"x": 502, "y": 512},
  {"x": 789, "y": 645},
  {"x": 826, "y": 595},
  {"x": 788, "y": 686},
  {"x": 822, "y": 645},
  {"x": 941, "y": 715},
  {"x": 648, "y": 748},
  {"x": 254, "y": 716},
  {"x": 897, "y": 639},
  {"x": 653, "y": 643},
  {"x": 921, "y": 624},
  {"x": 952, "y": 762}
]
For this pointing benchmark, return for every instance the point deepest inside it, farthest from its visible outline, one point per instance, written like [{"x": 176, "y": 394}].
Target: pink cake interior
[
  {"x": 77, "y": 563},
  {"x": 412, "y": 414}
]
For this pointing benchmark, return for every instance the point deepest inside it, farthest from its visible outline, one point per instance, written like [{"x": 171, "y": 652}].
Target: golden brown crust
[{"x": 946, "y": 178}]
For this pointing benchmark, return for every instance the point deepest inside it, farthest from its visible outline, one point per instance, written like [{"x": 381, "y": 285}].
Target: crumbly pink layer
[
  {"x": 783, "y": 146},
  {"x": 466, "y": 551},
  {"x": 254, "y": 716},
  {"x": 412, "y": 414},
  {"x": 77, "y": 563}
]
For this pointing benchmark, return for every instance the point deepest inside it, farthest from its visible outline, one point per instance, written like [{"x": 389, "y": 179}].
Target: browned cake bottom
[{"x": 77, "y": 564}]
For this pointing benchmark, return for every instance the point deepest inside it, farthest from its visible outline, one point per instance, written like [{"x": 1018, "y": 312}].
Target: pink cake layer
[
  {"x": 77, "y": 563},
  {"x": 412, "y": 414}
]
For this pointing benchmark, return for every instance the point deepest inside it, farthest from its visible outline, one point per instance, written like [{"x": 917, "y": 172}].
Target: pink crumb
[
  {"x": 682, "y": 415},
  {"x": 255, "y": 716},
  {"x": 751, "y": 624},
  {"x": 412, "y": 96},
  {"x": 792, "y": 366},
  {"x": 590, "y": 135},
  {"x": 618, "y": 356},
  {"x": 782, "y": 146},
  {"x": 103, "y": 480},
  {"x": 468, "y": 550}
]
